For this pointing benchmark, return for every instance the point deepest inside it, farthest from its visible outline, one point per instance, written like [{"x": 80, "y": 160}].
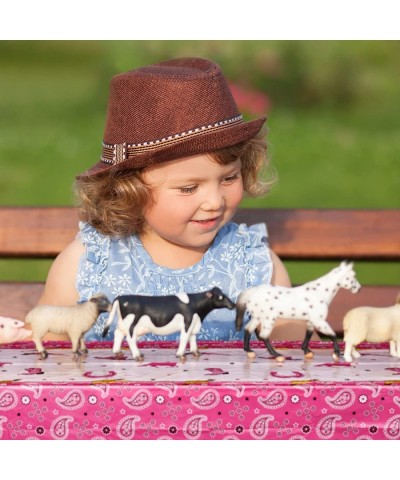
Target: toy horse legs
[
  {"x": 325, "y": 329},
  {"x": 270, "y": 348},
  {"x": 304, "y": 346},
  {"x": 267, "y": 343}
]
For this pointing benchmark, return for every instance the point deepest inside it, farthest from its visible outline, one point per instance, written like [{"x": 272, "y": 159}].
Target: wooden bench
[{"x": 294, "y": 234}]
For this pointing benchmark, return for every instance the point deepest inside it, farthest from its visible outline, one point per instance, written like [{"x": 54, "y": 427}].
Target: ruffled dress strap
[
  {"x": 93, "y": 263},
  {"x": 259, "y": 261}
]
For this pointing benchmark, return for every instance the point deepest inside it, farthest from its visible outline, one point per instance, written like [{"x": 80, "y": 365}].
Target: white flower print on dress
[{"x": 238, "y": 259}]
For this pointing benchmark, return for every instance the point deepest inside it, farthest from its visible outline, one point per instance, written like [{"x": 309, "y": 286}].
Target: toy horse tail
[
  {"x": 111, "y": 316},
  {"x": 240, "y": 310}
]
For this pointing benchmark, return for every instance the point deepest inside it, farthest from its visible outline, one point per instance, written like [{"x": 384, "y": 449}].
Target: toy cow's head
[{"x": 219, "y": 300}]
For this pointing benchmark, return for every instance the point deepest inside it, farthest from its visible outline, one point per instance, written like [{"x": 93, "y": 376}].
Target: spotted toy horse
[{"x": 309, "y": 302}]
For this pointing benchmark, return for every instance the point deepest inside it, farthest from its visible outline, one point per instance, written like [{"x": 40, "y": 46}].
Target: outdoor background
[{"x": 333, "y": 116}]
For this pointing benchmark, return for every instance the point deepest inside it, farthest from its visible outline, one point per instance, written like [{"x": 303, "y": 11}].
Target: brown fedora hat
[{"x": 169, "y": 110}]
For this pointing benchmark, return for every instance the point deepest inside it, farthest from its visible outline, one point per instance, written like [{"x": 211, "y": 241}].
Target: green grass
[{"x": 334, "y": 128}]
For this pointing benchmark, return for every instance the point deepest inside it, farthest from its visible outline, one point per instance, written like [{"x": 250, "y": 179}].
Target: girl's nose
[{"x": 213, "y": 199}]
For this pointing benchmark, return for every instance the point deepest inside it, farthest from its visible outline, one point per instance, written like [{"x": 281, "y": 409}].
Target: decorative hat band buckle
[{"x": 114, "y": 154}]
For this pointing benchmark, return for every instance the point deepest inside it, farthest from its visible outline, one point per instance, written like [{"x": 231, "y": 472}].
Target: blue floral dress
[{"x": 238, "y": 258}]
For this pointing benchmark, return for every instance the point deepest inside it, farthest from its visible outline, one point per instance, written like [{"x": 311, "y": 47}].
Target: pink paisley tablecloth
[{"x": 220, "y": 395}]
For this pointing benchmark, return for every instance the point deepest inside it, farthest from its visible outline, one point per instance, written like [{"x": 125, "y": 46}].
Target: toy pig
[{"x": 12, "y": 330}]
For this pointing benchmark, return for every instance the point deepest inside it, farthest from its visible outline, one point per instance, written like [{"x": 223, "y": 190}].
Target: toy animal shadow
[
  {"x": 163, "y": 315},
  {"x": 308, "y": 302}
]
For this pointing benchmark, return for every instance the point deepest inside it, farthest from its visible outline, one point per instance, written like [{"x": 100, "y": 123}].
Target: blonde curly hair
[{"x": 114, "y": 203}]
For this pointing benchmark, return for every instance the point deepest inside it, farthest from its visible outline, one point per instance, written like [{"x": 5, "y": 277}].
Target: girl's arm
[
  {"x": 60, "y": 287},
  {"x": 279, "y": 274}
]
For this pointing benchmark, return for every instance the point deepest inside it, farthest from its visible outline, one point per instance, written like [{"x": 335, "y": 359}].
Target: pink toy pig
[{"x": 11, "y": 330}]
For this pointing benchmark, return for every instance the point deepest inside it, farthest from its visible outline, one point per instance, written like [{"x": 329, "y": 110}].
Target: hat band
[{"x": 119, "y": 152}]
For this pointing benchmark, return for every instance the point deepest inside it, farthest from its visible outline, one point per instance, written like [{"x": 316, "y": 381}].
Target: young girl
[{"x": 156, "y": 209}]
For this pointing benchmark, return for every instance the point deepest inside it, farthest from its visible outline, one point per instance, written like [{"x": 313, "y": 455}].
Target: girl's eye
[
  {"x": 188, "y": 190},
  {"x": 231, "y": 178}
]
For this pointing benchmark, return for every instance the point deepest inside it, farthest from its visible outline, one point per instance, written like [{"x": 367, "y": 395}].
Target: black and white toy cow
[{"x": 163, "y": 315}]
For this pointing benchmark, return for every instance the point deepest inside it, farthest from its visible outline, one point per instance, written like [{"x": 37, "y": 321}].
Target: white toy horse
[{"x": 309, "y": 302}]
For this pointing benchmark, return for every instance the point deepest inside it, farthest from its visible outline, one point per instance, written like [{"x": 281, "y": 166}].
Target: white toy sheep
[
  {"x": 12, "y": 330},
  {"x": 372, "y": 324},
  {"x": 73, "y": 320},
  {"x": 308, "y": 302}
]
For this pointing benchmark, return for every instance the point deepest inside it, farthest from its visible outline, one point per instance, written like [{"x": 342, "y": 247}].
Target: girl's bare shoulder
[{"x": 60, "y": 287}]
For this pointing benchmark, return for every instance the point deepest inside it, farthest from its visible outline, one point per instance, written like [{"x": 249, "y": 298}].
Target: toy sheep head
[{"x": 102, "y": 302}]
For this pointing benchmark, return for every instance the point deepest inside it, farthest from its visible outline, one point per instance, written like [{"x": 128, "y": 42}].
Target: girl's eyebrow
[
  {"x": 189, "y": 180},
  {"x": 186, "y": 180}
]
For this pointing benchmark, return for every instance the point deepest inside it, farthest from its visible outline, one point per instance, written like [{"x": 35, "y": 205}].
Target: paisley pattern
[
  {"x": 342, "y": 400},
  {"x": 72, "y": 401},
  {"x": 207, "y": 400},
  {"x": 8, "y": 400},
  {"x": 2, "y": 420},
  {"x": 187, "y": 402},
  {"x": 259, "y": 427},
  {"x": 392, "y": 428},
  {"x": 276, "y": 399},
  {"x": 139, "y": 400},
  {"x": 193, "y": 427},
  {"x": 126, "y": 427},
  {"x": 326, "y": 426},
  {"x": 59, "y": 429}
]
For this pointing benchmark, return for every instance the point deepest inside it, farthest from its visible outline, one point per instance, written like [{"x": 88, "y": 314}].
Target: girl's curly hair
[{"x": 114, "y": 203}]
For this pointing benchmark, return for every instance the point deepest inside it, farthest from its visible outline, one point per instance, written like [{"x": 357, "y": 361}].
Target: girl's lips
[{"x": 207, "y": 223}]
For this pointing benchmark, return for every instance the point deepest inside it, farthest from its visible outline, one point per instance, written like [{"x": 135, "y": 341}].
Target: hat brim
[{"x": 206, "y": 142}]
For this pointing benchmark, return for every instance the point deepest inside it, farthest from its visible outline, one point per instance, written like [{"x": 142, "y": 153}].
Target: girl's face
[{"x": 193, "y": 198}]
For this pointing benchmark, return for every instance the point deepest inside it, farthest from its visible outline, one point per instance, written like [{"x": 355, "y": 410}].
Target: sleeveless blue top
[{"x": 238, "y": 258}]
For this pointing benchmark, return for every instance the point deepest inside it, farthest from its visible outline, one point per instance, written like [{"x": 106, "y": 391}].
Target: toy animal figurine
[
  {"x": 372, "y": 324},
  {"x": 73, "y": 320},
  {"x": 163, "y": 315},
  {"x": 309, "y": 302},
  {"x": 12, "y": 330}
]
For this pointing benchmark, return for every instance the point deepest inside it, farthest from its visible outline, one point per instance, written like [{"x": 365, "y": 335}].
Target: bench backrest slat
[{"x": 35, "y": 232}]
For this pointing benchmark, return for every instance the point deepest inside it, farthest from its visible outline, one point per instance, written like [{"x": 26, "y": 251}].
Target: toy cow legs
[
  {"x": 194, "y": 330},
  {"x": 125, "y": 327},
  {"x": 183, "y": 340},
  {"x": 193, "y": 345},
  {"x": 118, "y": 339}
]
